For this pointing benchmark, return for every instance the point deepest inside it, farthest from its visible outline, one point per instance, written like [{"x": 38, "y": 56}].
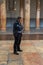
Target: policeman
[{"x": 17, "y": 32}]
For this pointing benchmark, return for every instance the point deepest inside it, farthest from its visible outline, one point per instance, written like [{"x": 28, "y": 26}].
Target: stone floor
[{"x": 32, "y": 53}]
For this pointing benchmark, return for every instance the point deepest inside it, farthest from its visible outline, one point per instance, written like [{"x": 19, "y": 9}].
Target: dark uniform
[{"x": 17, "y": 31}]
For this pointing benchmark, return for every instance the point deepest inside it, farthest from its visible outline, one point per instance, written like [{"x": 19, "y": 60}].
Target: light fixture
[
  {"x": 15, "y": 2},
  {"x": 14, "y": 9}
]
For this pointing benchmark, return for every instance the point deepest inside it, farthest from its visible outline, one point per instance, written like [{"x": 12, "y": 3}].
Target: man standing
[{"x": 17, "y": 31}]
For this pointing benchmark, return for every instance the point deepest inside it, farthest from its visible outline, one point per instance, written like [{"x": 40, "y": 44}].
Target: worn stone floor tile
[
  {"x": 41, "y": 54},
  {"x": 3, "y": 51},
  {"x": 29, "y": 49},
  {"x": 3, "y": 57},
  {"x": 13, "y": 63},
  {"x": 32, "y": 59},
  {"x": 25, "y": 49},
  {"x": 39, "y": 49},
  {"x": 37, "y": 43},
  {"x": 14, "y": 57},
  {"x": 32, "y": 53},
  {"x": 26, "y": 44},
  {"x": 3, "y": 63},
  {"x": 11, "y": 48},
  {"x": 4, "y": 47},
  {"x": 33, "y": 49}
]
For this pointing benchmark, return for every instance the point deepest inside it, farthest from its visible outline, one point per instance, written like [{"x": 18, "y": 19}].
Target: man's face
[{"x": 21, "y": 20}]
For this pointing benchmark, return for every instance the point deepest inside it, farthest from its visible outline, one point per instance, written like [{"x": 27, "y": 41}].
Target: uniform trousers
[{"x": 17, "y": 42}]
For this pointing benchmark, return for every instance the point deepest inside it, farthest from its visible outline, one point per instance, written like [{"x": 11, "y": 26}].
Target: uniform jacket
[{"x": 17, "y": 28}]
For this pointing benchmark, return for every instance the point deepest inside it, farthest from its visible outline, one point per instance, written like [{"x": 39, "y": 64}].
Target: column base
[
  {"x": 3, "y": 29},
  {"x": 37, "y": 28}
]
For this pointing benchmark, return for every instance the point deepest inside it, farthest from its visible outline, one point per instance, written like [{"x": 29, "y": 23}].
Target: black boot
[
  {"x": 19, "y": 50},
  {"x": 16, "y": 53}
]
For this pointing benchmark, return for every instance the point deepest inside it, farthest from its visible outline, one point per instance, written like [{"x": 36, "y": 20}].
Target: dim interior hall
[{"x": 30, "y": 10}]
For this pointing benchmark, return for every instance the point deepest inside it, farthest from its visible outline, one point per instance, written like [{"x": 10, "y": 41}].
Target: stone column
[
  {"x": 22, "y": 9},
  {"x": 3, "y": 15},
  {"x": 27, "y": 15},
  {"x": 38, "y": 15},
  {"x": 0, "y": 16}
]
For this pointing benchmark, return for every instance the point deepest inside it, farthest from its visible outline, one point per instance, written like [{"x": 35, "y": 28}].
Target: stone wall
[
  {"x": 41, "y": 7},
  {"x": 15, "y": 13},
  {"x": 32, "y": 8}
]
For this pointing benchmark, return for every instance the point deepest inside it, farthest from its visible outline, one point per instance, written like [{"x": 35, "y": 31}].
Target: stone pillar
[
  {"x": 3, "y": 16},
  {"x": 27, "y": 15},
  {"x": 38, "y": 15},
  {"x": 22, "y": 9},
  {"x": 0, "y": 16}
]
